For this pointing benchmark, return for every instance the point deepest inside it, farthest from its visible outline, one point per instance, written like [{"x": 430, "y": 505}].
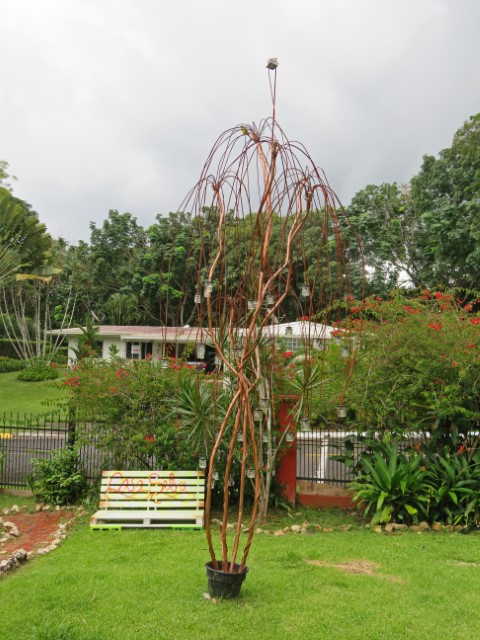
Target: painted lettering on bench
[
  {"x": 128, "y": 485},
  {"x": 155, "y": 488},
  {"x": 159, "y": 488}
]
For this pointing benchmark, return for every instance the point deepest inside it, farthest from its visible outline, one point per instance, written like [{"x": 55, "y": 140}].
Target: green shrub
[
  {"x": 10, "y": 364},
  {"x": 392, "y": 486},
  {"x": 454, "y": 478},
  {"x": 38, "y": 374},
  {"x": 59, "y": 480}
]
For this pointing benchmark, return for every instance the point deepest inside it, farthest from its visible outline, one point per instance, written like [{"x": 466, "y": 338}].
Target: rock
[
  {"x": 286, "y": 529},
  {"x": 318, "y": 527},
  {"x": 378, "y": 529},
  {"x": 398, "y": 526},
  {"x": 416, "y": 528},
  {"x": 58, "y": 508},
  {"x": 46, "y": 507},
  {"x": 11, "y": 529},
  {"x": 305, "y": 523},
  {"x": 6, "y": 512},
  {"x": 346, "y": 527},
  {"x": 389, "y": 527},
  {"x": 20, "y": 555},
  {"x": 38, "y": 507},
  {"x": 424, "y": 526},
  {"x": 303, "y": 530},
  {"x": 15, "y": 509},
  {"x": 437, "y": 526},
  {"x": 295, "y": 528},
  {"x": 327, "y": 529},
  {"x": 230, "y": 527},
  {"x": 216, "y": 521},
  {"x": 278, "y": 533}
]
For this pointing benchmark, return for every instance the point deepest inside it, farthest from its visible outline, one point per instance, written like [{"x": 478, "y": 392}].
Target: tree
[
  {"x": 429, "y": 230},
  {"x": 392, "y": 236},
  {"x": 446, "y": 193},
  {"x": 24, "y": 242}
]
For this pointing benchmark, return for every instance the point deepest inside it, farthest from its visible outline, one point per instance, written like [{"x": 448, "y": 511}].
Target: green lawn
[
  {"x": 148, "y": 584},
  {"x": 28, "y": 397}
]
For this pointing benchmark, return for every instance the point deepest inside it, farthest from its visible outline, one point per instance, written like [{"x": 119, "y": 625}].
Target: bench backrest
[{"x": 152, "y": 490}]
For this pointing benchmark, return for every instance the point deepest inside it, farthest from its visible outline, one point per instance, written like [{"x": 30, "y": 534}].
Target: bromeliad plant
[{"x": 392, "y": 485}]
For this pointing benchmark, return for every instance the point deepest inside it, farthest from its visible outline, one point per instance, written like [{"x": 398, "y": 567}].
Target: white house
[{"x": 138, "y": 343}]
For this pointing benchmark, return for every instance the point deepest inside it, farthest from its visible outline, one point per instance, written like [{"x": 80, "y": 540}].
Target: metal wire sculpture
[{"x": 258, "y": 199}]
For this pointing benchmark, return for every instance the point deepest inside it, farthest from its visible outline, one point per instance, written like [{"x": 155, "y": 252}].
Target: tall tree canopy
[
  {"x": 429, "y": 230},
  {"x": 24, "y": 242}
]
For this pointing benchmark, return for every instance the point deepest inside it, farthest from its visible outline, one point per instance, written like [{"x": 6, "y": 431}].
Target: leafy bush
[
  {"x": 10, "y": 364},
  {"x": 436, "y": 479},
  {"x": 453, "y": 472},
  {"x": 59, "y": 480},
  {"x": 393, "y": 485},
  {"x": 38, "y": 374}
]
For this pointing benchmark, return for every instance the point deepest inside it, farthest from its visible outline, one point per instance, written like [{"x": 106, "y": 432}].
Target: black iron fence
[
  {"x": 25, "y": 438},
  {"x": 316, "y": 453}
]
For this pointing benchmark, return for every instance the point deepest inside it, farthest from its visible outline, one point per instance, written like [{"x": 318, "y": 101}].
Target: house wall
[
  {"x": 107, "y": 343},
  {"x": 72, "y": 344}
]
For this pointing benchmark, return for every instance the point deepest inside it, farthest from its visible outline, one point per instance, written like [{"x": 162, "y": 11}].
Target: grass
[
  {"x": 146, "y": 584},
  {"x": 36, "y": 398}
]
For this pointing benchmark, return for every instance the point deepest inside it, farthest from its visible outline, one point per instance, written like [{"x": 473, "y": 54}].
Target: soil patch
[
  {"x": 362, "y": 567},
  {"x": 36, "y": 530}
]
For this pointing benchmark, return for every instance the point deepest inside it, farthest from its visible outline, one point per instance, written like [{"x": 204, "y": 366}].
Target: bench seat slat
[{"x": 151, "y": 506}]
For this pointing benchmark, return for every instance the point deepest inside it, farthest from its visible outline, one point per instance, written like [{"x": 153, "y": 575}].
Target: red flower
[
  {"x": 468, "y": 307},
  {"x": 436, "y": 381},
  {"x": 378, "y": 298},
  {"x": 287, "y": 354},
  {"x": 355, "y": 309},
  {"x": 350, "y": 298},
  {"x": 434, "y": 326},
  {"x": 411, "y": 310},
  {"x": 474, "y": 321},
  {"x": 150, "y": 439},
  {"x": 454, "y": 364},
  {"x": 439, "y": 295}
]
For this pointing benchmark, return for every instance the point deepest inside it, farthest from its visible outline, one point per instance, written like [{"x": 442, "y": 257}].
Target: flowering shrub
[
  {"x": 418, "y": 366},
  {"x": 130, "y": 405}
]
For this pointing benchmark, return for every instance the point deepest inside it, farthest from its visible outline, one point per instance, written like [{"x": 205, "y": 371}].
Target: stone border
[{"x": 20, "y": 556}]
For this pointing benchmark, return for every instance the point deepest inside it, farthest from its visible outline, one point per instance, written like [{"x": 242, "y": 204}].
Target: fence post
[{"x": 72, "y": 425}]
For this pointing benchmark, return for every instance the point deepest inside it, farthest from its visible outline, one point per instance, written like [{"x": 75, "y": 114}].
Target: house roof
[
  {"x": 165, "y": 334},
  {"x": 300, "y": 329}
]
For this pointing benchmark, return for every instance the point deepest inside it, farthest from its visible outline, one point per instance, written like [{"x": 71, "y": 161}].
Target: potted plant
[{"x": 258, "y": 197}]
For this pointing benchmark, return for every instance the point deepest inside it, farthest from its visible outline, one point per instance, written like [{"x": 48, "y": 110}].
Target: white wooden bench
[{"x": 158, "y": 499}]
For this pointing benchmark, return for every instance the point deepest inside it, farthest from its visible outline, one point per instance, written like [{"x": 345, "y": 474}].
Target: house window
[
  {"x": 293, "y": 344},
  {"x": 139, "y": 350}
]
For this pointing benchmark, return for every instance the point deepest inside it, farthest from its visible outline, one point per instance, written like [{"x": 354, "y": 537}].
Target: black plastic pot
[{"x": 223, "y": 584}]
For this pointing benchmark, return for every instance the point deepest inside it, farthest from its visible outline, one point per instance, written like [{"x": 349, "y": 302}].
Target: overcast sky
[{"x": 115, "y": 104}]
